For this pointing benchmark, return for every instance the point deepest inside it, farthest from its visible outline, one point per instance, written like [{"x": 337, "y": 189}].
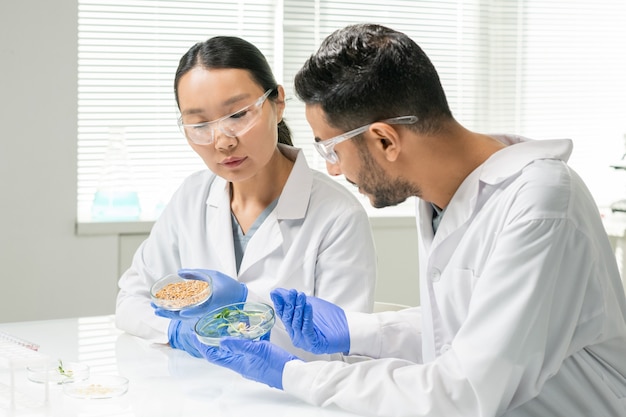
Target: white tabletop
[{"x": 162, "y": 381}]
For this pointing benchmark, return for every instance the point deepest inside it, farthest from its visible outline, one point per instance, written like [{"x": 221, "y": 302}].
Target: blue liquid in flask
[{"x": 115, "y": 206}]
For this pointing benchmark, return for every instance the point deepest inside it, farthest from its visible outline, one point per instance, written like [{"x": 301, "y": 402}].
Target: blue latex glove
[
  {"x": 313, "y": 324},
  {"x": 260, "y": 361},
  {"x": 226, "y": 290},
  {"x": 181, "y": 335}
]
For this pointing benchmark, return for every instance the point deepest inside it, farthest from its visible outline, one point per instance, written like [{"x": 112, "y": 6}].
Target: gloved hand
[
  {"x": 260, "y": 361},
  {"x": 226, "y": 290},
  {"x": 313, "y": 324},
  {"x": 181, "y": 335}
]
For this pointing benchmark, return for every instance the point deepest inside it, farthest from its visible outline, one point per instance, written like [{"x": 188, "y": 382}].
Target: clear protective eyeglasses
[
  {"x": 232, "y": 125},
  {"x": 326, "y": 148}
]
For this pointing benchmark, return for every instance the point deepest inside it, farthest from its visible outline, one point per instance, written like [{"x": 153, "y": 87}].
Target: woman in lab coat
[
  {"x": 258, "y": 214},
  {"x": 522, "y": 314}
]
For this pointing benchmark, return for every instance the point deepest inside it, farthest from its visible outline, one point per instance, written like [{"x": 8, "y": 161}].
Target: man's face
[{"x": 359, "y": 166}]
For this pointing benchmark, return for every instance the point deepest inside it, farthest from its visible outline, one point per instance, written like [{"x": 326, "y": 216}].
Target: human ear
[{"x": 386, "y": 140}]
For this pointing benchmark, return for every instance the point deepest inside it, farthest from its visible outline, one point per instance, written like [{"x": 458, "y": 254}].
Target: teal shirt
[
  {"x": 240, "y": 239},
  {"x": 437, "y": 216}
]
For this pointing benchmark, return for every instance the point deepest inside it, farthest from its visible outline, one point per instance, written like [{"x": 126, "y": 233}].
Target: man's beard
[{"x": 375, "y": 182}]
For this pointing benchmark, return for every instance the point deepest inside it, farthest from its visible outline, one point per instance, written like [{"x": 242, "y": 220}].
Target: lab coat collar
[
  {"x": 496, "y": 169},
  {"x": 294, "y": 199},
  {"x": 292, "y": 204},
  {"x": 219, "y": 225},
  {"x": 521, "y": 152}
]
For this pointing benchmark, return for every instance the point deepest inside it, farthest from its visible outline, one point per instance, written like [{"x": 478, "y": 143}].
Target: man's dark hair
[{"x": 365, "y": 73}]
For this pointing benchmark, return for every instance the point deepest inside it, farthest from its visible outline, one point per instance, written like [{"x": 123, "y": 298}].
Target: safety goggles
[
  {"x": 326, "y": 148},
  {"x": 232, "y": 125}
]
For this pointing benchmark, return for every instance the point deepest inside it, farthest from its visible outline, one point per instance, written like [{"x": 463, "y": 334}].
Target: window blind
[
  {"x": 540, "y": 68},
  {"x": 573, "y": 84}
]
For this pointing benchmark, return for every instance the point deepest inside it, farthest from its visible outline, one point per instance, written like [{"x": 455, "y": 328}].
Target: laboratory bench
[{"x": 161, "y": 381}]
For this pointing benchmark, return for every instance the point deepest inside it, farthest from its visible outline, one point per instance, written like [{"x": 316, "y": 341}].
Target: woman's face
[{"x": 205, "y": 95}]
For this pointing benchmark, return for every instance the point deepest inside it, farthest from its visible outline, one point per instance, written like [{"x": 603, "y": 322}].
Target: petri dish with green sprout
[{"x": 246, "y": 320}]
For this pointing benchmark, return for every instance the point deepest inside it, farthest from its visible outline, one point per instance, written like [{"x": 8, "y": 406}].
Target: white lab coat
[
  {"x": 317, "y": 239},
  {"x": 522, "y": 308}
]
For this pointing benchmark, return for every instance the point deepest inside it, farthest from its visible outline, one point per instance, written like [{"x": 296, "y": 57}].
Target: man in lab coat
[{"x": 522, "y": 307}]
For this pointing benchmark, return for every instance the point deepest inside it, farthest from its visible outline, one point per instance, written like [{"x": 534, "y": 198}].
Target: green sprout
[
  {"x": 63, "y": 371},
  {"x": 234, "y": 326},
  {"x": 222, "y": 314},
  {"x": 225, "y": 313}
]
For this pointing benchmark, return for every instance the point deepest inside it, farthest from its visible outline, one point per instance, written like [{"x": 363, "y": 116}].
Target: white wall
[{"x": 47, "y": 270}]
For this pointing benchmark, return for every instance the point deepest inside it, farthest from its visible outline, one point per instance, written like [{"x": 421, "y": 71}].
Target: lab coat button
[
  {"x": 435, "y": 275},
  {"x": 444, "y": 349}
]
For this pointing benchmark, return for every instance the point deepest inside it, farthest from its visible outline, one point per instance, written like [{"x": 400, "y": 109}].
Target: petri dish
[
  {"x": 175, "y": 293},
  {"x": 248, "y": 320},
  {"x": 97, "y": 387},
  {"x": 58, "y": 373}
]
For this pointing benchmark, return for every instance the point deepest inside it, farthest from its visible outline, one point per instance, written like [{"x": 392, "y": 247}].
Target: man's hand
[{"x": 313, "y": 324}]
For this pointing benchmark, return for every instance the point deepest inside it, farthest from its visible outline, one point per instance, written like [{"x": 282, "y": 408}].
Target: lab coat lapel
[
  {"x": 435, "y": 252},
  {"x": 425, "y": 238},
  {"x": 461, "y": 208},
  {"x": 219, "y": 226},
  {"x": 425, "y": 223},
  {"x": 292, "y": 205},
  {"x": 265, "y": 240}
]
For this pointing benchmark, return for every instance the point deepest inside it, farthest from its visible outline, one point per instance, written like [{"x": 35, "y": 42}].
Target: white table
[{"x": 163, "y": 381}]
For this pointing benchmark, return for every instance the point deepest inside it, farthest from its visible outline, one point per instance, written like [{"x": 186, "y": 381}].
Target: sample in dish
[
  {"x": 58, "y": 373},
  {"x": 176, "y": 293},
  {"x": 97, "y": 387},
  {"x": 247, "y": 320}
]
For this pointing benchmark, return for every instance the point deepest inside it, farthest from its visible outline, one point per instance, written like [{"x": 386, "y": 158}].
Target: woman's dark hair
[
  {"x": 365, "y": 73},
  {"x": 233, "y": 52}
]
